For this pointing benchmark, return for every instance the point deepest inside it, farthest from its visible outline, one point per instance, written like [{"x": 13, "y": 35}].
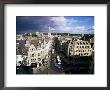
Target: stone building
[
  {"x": 39, "y": 50},
  {"x": 80, "y": 48}
]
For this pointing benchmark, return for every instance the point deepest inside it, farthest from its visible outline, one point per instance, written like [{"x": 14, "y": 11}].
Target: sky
[{"x": 58, "y": 24}]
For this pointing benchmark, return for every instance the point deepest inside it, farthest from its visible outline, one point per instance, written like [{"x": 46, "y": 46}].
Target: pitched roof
[{"x": 34, "y": 42}]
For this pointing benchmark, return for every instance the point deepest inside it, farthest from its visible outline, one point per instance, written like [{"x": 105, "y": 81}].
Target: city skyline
[
  {"x": 55, "y": 45},
  {"x": 58, "y": 24}
]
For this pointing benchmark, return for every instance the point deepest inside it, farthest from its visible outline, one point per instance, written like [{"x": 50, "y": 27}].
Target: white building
[
  {"x": 80, "y": 48},
  {"x": 27, "y": 43},
  {"x": 19, "y": 37},
  {"x": 20, "y": 59},
  {"x": 39, "y": 50},
  {"x": 37, "y": 33}
]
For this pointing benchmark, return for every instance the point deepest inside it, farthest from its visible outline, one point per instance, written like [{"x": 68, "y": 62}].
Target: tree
[
  {"x": 25, "y": 35},
  {"x": 34, "y": 35}
]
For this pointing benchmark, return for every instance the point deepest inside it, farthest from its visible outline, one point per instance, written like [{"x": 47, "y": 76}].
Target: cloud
[
  {"x": 62, "y": 21},
  {"x": 32, "y": 23},
  {"x": 80, "y": 28},
  {"x": 57, "y": 24},
  {"x": 62, "y": 24},
  {"x": 58, "y": 19},
  {"x": 82, "y": 32},
  {"x": 71, "y": 21}
]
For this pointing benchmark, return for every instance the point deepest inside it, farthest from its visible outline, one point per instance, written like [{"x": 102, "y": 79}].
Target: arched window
[
  {"x": 38, "y": 54},
  {"x": 32, "y": 55}
]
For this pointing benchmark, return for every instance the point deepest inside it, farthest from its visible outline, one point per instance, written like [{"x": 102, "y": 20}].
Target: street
[{"x": 51, "y": 65}]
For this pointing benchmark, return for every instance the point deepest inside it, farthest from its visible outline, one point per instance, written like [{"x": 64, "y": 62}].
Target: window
[
  {"x": 32, "y": 60},
  {"x": 76, "y": 50},
  {"x": 39, "y": 59},
  {"x": 32, "y": 55},
  {"x": 38, "y": 54},
  {"x": 86, "y": 42},
  {"x": 70, "y": 46},
  {"x": 40, "y": 64},
  {"x": 77, "y": 46},
  {"x": 87, "y": 46},
  {"x": 79, "y": 54},
  {"x": 82, "y": 46}
]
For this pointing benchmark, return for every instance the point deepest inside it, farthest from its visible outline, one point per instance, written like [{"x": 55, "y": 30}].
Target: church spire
[{"x": 49, "y": 32}]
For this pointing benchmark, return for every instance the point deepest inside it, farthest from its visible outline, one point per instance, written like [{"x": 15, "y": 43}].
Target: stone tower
[{"x": 49, "y": 32}]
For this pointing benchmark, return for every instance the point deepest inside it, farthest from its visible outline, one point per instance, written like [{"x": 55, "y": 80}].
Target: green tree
[
  {"x": 34, "y": 35},
  {"x": 25, "y": 35}
]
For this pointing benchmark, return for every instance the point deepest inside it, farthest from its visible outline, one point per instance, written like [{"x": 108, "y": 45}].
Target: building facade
[
  {"x": 39, "y": 50},
  {"x": 79, "y": 48}
]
